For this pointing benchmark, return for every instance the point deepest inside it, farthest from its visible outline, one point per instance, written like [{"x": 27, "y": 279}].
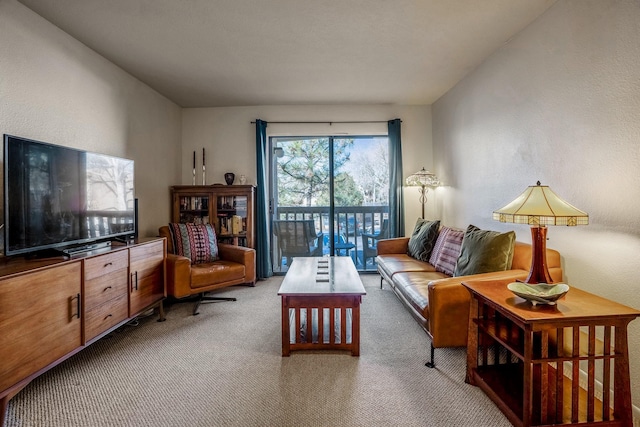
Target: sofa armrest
[
  {"x": 241, "y": 255},
  {"x": 449, "y": 303},
  {"x": 178, "y": 276},
  {"x": 397, "y": 245}
]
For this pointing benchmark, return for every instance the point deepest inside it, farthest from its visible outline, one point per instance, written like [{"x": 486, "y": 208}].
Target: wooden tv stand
[
  {"x": 529, "y": 359},
  {"x": 52, "y": 308}
]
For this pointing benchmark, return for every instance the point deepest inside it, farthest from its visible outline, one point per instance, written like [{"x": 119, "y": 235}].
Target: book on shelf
[
  {"x": 232, "y": 202},
  {"x": 236, "y": 224},
  {"x": 194, "y": 203}
]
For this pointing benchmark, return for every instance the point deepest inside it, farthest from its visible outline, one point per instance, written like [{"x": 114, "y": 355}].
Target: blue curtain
[
  {"x": 263, "y": 258},
  {"x": 396, "y": 202}
]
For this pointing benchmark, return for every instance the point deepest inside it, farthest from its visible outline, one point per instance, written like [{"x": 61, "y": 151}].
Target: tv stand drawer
[
  {"x": 105, "y": 316},
  {"x": 104, "y": 288},
  {"x": 102, "y": 265}
]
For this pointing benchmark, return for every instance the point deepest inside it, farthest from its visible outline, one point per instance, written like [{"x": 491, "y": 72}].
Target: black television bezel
[{"x": 59, "y": 245}]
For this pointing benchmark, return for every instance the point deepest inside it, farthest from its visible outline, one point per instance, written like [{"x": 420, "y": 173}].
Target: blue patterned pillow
[{"x": 195, "y": 241}]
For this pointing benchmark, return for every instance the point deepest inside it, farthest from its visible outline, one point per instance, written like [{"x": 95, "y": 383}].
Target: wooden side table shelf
[{"x": 529, "y": 359}]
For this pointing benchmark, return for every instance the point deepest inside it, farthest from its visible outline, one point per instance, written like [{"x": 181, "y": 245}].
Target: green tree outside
[{"x": 303, "y": 173}]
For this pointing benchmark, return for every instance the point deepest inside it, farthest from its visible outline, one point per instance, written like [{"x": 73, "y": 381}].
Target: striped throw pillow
[
  {"x": 447, "y": 250},
  {"x": 195, "y": 241}
]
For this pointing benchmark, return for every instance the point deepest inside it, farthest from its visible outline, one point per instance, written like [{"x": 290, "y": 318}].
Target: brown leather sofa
[
  {"x": 237, "y": 265},
  {"x": 439, "y": 302}
]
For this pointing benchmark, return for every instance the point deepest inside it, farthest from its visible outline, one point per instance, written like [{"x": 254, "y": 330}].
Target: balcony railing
[{"x": 350, "y": 222}]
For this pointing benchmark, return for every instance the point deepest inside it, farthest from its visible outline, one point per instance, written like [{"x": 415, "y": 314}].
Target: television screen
[{"x": 57, "y": 196}]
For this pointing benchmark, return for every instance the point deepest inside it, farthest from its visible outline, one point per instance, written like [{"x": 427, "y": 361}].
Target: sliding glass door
[{"x": 329, "y": 196}]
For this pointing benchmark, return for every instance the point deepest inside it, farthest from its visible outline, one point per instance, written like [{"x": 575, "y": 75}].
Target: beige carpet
[{"x": 223, "y": 368}]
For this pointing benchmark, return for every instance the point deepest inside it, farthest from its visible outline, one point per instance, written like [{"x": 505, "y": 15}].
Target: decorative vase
[{"x": 229, "y": 177}]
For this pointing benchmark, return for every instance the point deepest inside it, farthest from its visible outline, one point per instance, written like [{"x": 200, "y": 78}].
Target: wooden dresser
[{"x": 52, "y": 308}]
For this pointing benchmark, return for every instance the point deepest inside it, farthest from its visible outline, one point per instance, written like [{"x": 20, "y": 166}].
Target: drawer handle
[
  {"x": 106, "y": 289},
  {"x": 108, "y": 264},
  {"x": 108, "y": 315}
]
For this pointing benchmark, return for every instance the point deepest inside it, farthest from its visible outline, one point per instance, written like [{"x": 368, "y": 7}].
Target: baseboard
[{"x": 635, "y": 410}]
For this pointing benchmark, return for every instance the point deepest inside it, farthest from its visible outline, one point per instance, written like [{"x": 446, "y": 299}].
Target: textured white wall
[
  {"x": 229, "y": 138},
  {"x": 55, "y": 89},
  {"x": 559, "y": 103}
]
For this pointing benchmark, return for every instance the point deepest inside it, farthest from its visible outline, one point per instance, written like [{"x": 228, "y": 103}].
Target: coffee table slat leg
[
  {"x": 285, "y": 327},
  {"x": 355, "y": 328}
]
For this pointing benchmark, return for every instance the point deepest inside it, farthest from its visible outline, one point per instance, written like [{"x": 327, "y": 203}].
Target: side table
[{"x": 529, "y": 359}]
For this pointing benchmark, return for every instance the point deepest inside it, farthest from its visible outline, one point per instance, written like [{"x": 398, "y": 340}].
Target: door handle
[
  {"x": 77, "y": 313},
  {"x": 134, "y": 282}
]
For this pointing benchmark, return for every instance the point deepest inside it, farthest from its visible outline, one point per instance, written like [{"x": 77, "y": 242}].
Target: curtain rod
[{"x": 328, "y": 123}]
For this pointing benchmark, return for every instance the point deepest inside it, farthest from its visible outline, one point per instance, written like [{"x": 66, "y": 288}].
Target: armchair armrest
[
  {"x": 241, "y": 255},
  {"x": 320, "y": 245},
  {"x": 398, "y": 245},
  {"x": 178, "y": 276},
  {"x": 371, "y": 239}
]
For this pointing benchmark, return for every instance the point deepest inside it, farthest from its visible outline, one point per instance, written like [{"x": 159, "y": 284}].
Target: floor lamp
[
  {"x": 423, "y": 179},
  {"x": 539, "y": 206}
]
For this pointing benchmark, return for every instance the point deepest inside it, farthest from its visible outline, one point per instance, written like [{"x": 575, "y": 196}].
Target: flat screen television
[{"x": 58, "y": 197}]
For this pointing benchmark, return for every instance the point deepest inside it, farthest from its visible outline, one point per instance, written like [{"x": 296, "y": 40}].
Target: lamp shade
[
  {"x": 422, "y": 178},
  {"x": 539, "y": 205}
]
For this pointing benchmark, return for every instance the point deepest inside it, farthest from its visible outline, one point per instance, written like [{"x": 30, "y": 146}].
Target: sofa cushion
[
  {"x": 391, "y": 264},
  {"x": 194, "y": 241},
  {"x": 447, "y": 250},
  {"x": 485, "y": 251},
  {"x": 414, "y": 287},
  {"x": 423, "y": 238}
]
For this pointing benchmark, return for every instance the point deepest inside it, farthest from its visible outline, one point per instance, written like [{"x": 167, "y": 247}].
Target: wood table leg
[
  {"x": 161, "y": 315},
  {"x": 622, "y": 382},
  {"x": 355, "y": 327},
  {"x": 472, "y": 342},
  {"x": 285, "y": 327},
  {"x": 4, "y": 403}
]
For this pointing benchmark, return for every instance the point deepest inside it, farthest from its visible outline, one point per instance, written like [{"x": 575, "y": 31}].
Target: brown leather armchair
[{"x": 237, "y": 265}]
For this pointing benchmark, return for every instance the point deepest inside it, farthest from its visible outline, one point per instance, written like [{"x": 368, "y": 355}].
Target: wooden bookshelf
[{"x": 230, "y": 208}]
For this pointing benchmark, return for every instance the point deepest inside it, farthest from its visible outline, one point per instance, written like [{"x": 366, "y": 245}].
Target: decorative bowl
[{"x": 541, "y": 293}]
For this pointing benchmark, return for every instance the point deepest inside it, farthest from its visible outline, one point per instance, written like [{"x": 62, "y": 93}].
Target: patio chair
[
  {"x": 297, "y": 238},
  {"x": 370, "y": 242}
]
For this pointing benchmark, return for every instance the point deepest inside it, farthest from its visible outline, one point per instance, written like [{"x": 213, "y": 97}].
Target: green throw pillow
[
  {"x": 485, "y": 251},
  {"x": 423, "y": 239}
]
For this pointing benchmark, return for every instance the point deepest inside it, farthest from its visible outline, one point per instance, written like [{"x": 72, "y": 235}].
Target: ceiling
[{"x": 213, "y": 53}]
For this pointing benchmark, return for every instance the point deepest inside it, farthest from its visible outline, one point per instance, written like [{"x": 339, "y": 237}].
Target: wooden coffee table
[{"x": 321, "y": 305}]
